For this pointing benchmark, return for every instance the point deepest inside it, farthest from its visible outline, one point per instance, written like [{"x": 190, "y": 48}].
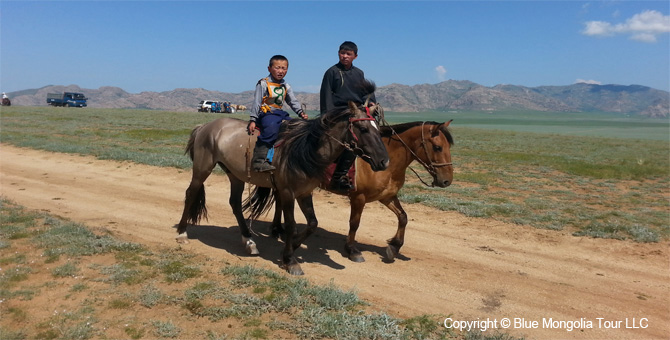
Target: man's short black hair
[
  {"x": 277, "y": 57},
  {"x": 349, "y": 46}
]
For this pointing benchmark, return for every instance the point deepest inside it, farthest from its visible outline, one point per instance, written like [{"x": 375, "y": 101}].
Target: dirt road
[{"x": 474, "y": 269}]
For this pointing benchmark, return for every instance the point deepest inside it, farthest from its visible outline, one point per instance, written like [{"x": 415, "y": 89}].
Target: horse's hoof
[
  {"x": 391, "y": 253},
  {"x": 357, "y": 257},
  {"x": 182, "y": 238},
  {"x": 294, "y": 269},
  {"x": 251, "y": 247}
]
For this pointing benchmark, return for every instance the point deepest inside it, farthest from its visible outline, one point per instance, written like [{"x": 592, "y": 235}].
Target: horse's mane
[
  {"x": 299, "y": 140},
  {"x": 299, "y": 143},
  {"x": 387, "y": 131}
]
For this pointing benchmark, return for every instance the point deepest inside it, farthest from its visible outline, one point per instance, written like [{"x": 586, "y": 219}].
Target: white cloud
[
  {"x": 598, "y": 28},
  {"x": 582, "y": 81},
  {"x": 644, "y": 37},
  {"x": 441, "y": 72},
  {"x": 644, "y": 26}
]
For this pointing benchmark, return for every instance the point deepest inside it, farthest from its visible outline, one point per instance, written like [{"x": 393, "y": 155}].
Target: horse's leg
[
  {"x": 235, "y": 201},
  {"x": 357, "y": 205},
  {"x": 307, "y": 206},
  {"x": 194, "y": 201},
  {"x": 290, "y": 262},
  {"x": 276, "y": 228},
  {"x": 395, "y": 243}
]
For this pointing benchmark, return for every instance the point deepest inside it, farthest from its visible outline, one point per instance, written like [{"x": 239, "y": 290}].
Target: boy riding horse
[{"x": 266, "y": 112}]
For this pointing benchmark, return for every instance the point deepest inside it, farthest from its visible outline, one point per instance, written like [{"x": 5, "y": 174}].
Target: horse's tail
[
  {"x": 259, "y": 202},
  {"x": 198, "y": 208},
  {"x": 191, "y": 141}
]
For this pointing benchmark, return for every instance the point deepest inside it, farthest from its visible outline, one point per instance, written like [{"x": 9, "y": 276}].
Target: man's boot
[
  {"x": 260, "y": 163},
  {"x": 340, "y": 182}
]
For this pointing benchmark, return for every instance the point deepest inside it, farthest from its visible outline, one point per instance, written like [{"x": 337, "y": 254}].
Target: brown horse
[
  {"x": 429, "y": 144},
  {"x": 307, "y": 148}
]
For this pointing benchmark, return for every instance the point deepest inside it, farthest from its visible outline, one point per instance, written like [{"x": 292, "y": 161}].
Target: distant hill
[{"x": 451, "y": 95}]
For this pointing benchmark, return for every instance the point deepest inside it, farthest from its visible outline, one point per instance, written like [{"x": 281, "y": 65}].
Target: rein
[
  {"x": 432, "y": 167},
  {"x": 353, "y": 147},
  {"x": 248, "y": 157}
]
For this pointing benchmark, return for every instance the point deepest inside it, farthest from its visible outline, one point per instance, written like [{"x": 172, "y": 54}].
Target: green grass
[
  {"x": 603, "y": 124},
  {"x": 178, "y": 271},
  {"x": 150, "y": 295},
  {"x": 165, "y": 329},
  {"x": 74, "y": 239},
  {"x": 67, "y": 270},
  {"x": 149, "y": 137},
  {"x": 558, "y": 171},
  {"x": 553, "y": 182}
]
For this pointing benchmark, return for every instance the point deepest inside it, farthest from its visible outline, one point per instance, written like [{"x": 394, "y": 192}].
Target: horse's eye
[
  {"x": 363, "y": 129},
  {"x": 437, "y": 148}
]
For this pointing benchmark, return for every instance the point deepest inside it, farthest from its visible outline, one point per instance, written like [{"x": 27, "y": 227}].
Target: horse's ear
[
  {"x": 436, "y": 130},
  {"x": 445, "y": 130},
  {"x": 353, "y": 108}
]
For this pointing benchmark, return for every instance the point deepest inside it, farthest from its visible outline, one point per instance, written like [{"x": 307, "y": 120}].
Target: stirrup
[
  {"x": 341, "y": 185},
  {"x": 264, "y": 167}
]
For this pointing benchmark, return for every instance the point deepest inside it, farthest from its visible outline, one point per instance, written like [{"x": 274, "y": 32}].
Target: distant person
[
  {"x": 266, "y": 111},
  {"x": 5, "y": 100},
  {"x": 340, "y": 85}
]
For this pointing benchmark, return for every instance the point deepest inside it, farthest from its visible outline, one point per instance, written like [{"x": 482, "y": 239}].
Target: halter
[
  {"x": 353, "y": 146},
  {"x": 432, "y": 164},
  {"x": 432, "y": 167}
]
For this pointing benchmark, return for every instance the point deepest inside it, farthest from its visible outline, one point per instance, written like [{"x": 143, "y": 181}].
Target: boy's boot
[
  {"x": 340, "y": 182},
  {"x": 260, "y": 163}
]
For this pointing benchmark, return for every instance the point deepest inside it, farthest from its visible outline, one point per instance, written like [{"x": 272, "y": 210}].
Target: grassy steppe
[
  {"x": 594, "y": 175},
  {"x": 568, "y": 124}
]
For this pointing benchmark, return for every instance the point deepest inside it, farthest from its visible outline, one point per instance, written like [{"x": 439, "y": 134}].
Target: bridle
[
  {"x": 430, "y": 167},
  {"x": 353, "y": 145}
]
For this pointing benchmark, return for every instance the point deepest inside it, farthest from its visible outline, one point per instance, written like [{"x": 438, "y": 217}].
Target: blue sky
[{"x": 225, "y": 45}]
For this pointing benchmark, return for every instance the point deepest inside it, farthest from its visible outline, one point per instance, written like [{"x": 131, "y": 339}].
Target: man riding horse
[{"x": 340, "y": 85}]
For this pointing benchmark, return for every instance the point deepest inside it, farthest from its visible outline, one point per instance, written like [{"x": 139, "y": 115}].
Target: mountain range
[{"x": 450, "y": 95}]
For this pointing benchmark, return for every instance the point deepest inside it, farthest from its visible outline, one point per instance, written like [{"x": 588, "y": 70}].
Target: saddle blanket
[{"x": 329, "y": 175}]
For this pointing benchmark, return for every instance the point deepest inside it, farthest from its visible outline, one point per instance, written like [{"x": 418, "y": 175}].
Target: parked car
[
  {"x": 67, "y": 99},
  {"x": 215, "y": 106},
  {"x": 205, "y": 105}
]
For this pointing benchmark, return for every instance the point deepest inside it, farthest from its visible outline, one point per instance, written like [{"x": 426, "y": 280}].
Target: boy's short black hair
[
  {"x": 349, "y": 46},
  {"x": 278, "y": 57}
]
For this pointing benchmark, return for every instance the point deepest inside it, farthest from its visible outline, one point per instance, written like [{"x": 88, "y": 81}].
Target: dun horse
[{"x": 307, "y": 148}]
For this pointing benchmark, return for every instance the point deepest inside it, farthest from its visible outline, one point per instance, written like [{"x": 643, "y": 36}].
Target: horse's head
[
  {"x": 365, "y": 138},
  {"x": 435, "y": 153}
]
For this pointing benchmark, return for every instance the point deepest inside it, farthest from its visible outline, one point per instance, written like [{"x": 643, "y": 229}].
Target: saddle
[{"x": 328, "y": 175}]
